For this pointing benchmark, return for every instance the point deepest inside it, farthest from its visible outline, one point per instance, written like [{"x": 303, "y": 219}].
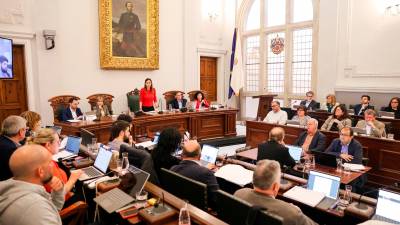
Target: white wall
[{"x": 72, "y": 67}]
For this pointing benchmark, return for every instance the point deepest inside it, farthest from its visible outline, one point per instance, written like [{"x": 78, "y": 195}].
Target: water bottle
[
  {"x": 184, "y": 217},
  {"x": 160, "y": 104},
  {"x": 125, "y": 162}
]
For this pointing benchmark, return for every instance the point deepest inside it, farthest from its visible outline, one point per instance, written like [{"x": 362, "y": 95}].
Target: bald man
[
  {"x": 23, "y": 199},
  {"x": 190, "y": 167}
]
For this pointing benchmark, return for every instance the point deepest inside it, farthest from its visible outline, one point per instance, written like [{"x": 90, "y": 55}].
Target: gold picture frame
[{"x": 129, "y": 34}]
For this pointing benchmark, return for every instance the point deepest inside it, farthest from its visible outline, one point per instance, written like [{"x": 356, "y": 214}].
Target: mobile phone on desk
[{"x": 128, "y": 213}]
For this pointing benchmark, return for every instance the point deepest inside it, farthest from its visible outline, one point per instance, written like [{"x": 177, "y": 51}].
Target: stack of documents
[
  {"x": 308, "y": 197},
  {"x": 353, "y": 167},
  {"x": 235, "y": 174}
]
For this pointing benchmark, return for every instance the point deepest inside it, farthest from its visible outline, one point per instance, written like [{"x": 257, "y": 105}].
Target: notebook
[
  {"x": 388, "y": 207},
  {"x": 71, "y": 149},
  {"x": 208, "y": 155},
  {"x": 100, "y": 165}
]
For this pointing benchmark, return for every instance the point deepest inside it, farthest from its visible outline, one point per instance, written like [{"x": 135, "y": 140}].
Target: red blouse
[
  {"x": 148, "y": 97},
  {"x": 198, "y": 104}
]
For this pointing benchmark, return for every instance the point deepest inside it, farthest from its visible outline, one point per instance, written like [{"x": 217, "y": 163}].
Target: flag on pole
[{"x": 236, "y": 66}]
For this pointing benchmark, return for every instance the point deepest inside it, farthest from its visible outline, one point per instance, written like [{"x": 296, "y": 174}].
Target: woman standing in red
[
  {"x": 148, "y": 98},
  {"x": 200, "y": 100}
]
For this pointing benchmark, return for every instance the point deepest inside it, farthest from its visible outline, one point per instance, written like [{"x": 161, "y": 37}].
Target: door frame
[
  {"x": 27, "y": 40},
  {"x": 222, "y": 82}
]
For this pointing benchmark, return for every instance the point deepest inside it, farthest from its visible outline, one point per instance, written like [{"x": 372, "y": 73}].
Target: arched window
[{"x": 288, "y": 71}]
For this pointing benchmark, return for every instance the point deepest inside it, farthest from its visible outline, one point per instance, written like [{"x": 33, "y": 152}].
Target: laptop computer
[
  {"x": 87, "y": 136},
  {"x": 325, "y": 158},
  {"x": 100, "y": 165},
  {"x": 208, "y": 155},
  {"x": 293, "y": 123},
  {"x": 325, "y": 183},
  {"x": 385, "y": 114},
  {"x": 295, "y": 152},
  {"x": 357, "y": 130},
  {"x": 388, "y": 207},
  {"x": 115, "y": 199},
  {"x": 71, "y": 148},
  {"x": 56, "y": 129}
]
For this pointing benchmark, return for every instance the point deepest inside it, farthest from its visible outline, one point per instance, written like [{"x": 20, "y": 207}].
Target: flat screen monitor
[{"x": 6, "y": 59}]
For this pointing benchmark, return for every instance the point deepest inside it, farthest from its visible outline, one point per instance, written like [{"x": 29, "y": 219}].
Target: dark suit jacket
[
  {"x": 275, "y": 151},
  {"x": 313, "y": 104},
  {"x": 357, "y": 109},
  {"x": 175, "y": 104},
  {"x": 67, "y": 114},
  {"x": 396, "y": 112},
  {"x": 355, "y": 149},
  {"x": 317, "y": 143},
  {"x": 7, "y": 148}
]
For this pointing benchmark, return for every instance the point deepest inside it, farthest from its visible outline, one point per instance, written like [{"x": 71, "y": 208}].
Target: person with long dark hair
[
  {"x": 394, "y": 107},
  {"x": 338, "y": 120},
  {"x": 168, "y": 142},
  {"x": 148, "y": 97},
  {"x": 200, "y": 100}
]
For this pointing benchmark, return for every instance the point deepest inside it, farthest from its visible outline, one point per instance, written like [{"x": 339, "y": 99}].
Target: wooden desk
[
  {"x": 383, "y": 154},
  {"x": 322, "y": 116},
  {"x": 202, "y": 124}
]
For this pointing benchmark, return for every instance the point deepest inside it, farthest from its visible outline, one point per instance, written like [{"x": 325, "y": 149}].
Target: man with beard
[
  {"x": 129, "y": 25},
  {"x": 120, "y": 135},
  {"x": 4, "y": 67},
  {"x": 23, "y": 199}
]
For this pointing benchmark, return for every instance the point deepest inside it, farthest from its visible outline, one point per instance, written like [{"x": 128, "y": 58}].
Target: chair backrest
[
  {"x": 75, "y": 213},
  {"x": 108, "y": 99},
  {"x": 183, "y": 187},
  {"x": 235, "y": 211},
  {"x": 59, "y": 103},
  {"x": 388, "y": 127},
  {"x": 192, "y": 93},
  {"x": 133, "y": 100},
  {"x": 169, "y": 96}
]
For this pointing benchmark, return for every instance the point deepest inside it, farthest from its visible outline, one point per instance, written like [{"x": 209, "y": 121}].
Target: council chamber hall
[{"x": 209, "y": 112}]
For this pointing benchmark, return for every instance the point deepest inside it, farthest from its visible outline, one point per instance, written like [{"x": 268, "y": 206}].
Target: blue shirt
[{"x": 345, "y": 149}]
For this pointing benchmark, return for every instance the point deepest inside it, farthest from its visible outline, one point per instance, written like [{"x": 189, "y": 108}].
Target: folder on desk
[
  {"x": 235, "y": 174},
  {"x": 306, "y": 196}
]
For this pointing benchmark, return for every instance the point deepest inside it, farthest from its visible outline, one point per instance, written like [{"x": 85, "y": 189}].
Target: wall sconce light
[
  {"x": 213, "y": 16},
  {"x": 393, "y": 10},
  {"x": 49, "y": 36}
]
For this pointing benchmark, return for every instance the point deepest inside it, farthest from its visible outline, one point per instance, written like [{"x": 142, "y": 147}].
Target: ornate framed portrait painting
[{"x": 129, "y": 34}]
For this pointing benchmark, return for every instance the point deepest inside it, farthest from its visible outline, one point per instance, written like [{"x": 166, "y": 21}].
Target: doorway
[{"x": 208, "y": 77}]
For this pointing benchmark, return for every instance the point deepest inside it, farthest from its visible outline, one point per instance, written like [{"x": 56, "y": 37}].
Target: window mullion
[{"x": 263, "y": 52}]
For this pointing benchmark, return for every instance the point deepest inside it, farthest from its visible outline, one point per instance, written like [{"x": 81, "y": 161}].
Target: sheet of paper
[
  {"x": 63, "y": 143},
  {"x": 145, "y": 144},
  {"x": 308, "y": 197},
  {"x": 353, "y": 167},
  {"x": 235, "y": 174},
  {"x": 74, "y": 121}
]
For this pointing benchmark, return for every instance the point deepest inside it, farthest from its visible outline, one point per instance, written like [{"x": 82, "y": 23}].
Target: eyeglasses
[
  {"x": 341, "y": 134},
  {"x": 395, "y": 102}
]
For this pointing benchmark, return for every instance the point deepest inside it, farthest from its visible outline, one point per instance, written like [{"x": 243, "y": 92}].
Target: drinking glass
[
  {"x": 184, "y": 216},
  {"x": 119, "y": 167},
  {"x": 390, "y": 136},
  {"x": 339, "y": 165},
  {"x": 345, "y": 199},
  {"x": 125, "y": 162}
]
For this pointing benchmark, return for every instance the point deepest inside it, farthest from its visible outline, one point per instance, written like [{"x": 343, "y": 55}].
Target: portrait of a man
[
  {"x": 129, "y": 28},
  {"x": 4, "y": 68}
]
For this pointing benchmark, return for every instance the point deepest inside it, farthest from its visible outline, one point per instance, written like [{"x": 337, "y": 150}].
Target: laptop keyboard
[
  {"x": 384, "y": 219},
  {"x": 91, "y": 172}
]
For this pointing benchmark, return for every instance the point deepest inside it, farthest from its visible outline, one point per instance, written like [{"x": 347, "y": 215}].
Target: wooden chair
[
  {"x": 108, "y": 99},
  {"x": 59, "y": 103},
  {"x": 192, "y": 93},
  {"x": 75, "y": 213},
  {"x": 169, "y": 96},
  {"x": 133, "y": 100}
]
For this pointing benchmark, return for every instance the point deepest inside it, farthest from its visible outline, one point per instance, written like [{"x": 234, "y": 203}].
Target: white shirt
[
  {"x": 279, "y": 117},
  {"x": 368, "y": 129},
  {"x": 73, "y": 112}
]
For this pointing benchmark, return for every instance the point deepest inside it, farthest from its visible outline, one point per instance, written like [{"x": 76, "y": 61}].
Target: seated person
[
  {"x": 346, "y": 147},
  {"x": 310, "y": 103},
  {"x": 13, "y": 131},
  {"x": 275, "y": 148},
  {"x": 49, "y": 139},
  {"x": 200, "y": 101},
  {"x": 190, "y": 167},
  {"x": 100, "y": 108},
  {"x": 72, "y": 112},
  {"x": 301, "y": 116},
  {"x": 23, "y": 198},
  {"x": 120, "y": 135},
  {"x": 394, "y": 107},
  {"x": 124, "y": 117},
  {"x": 266, "y": 184},
  {"x": 276, "y": 115},
  {"x": 359, "y": 109},
  {"x": 330, "y": 103},
  {"x": 179, "y": 101},
  {"x": 168, "y": 142},
  {"x": 372, "y": 126},
  {"x": 311, "y": 139},
  {"x": 338, "y": 120},
  {"x": 33, "y": 122}
]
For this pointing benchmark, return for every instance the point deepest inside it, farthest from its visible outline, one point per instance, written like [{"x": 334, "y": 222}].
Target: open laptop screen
[
  {"x": 209, "y": 154},
  {"x": 73, "y": 144},
  {"x": 388, "y": 205},
  {"x": 295, "y": 152},
  {"x": 103, "y": 159},
  {"x": 141, "y": 178},
  {"x": 321, "y": 182}
]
